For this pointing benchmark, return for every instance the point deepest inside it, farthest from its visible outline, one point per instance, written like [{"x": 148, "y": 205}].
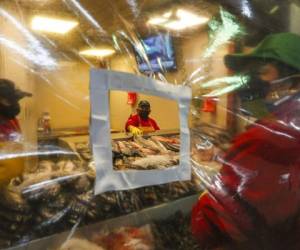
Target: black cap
[
  {"x": 8, "y": 90},
  {"x": 144, "y": 103}
]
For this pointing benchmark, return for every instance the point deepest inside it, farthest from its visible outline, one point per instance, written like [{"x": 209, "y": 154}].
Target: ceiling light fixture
[
  {"x": 178, "y": 20},
  {"x": 157, "y": 20},
  {"x": 97, "y": 52},
  {"x": 52, "y": 25}
]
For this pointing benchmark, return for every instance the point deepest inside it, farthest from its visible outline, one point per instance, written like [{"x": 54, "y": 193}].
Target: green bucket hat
[{"x": 283, "y": 47}]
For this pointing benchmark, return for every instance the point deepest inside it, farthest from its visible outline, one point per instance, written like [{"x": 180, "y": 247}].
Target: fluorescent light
[
  {"x": 160, "y": 20},
  {"x": 167, "y": 14},
  {"x": 157, "y": 20},
  {"x": 182, "y": 19},
  {"x": 52, "y": 25},
  {"x": 175, "y": 25},
  {"x": 97, "y": 52},
  {"x": 188, "y": 17}
]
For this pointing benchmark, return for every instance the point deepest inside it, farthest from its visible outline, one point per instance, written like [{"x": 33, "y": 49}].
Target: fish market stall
[
  {"x": 57, "y": 196},
  {"x": 149, "y": 124}
]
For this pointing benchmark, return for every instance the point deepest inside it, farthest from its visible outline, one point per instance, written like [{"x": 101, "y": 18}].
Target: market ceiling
[{"x": 98, "y": 20}]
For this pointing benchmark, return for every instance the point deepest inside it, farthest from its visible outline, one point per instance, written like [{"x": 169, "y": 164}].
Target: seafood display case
[
  {"x": 57, "y": 195},
  {"x": 160, "y": 223},
  {"x": 155, "y": 150}
]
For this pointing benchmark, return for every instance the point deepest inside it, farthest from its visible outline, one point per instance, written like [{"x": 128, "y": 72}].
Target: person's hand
[
  {"x": 135, "y": 131},
  {"x": 13, "y": 161}
]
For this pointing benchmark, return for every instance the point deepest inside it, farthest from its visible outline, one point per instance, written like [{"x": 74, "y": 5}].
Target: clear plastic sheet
[{"x": 241, "y": 60}]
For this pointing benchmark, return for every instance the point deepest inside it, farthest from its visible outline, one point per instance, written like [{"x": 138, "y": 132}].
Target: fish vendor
[
  {"x": 141, "y": 122},
  {"x": 10, "y": 132},
  {"x": 9, "y": 109},
  {"x": 254, "y": 201}
]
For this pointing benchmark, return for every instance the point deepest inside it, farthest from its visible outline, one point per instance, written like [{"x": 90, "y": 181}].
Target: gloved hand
[
  {"x": 135, "y": 131},
  {"x": 11, "y": 167}
]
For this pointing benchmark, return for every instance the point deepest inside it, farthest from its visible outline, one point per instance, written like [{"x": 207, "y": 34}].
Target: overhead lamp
[
  {"x": 178, "y": 20},
  {"x": 52, "y": 25},
  {"x": 97, "y": 52},
  {"x": 160, "y": 20},
  {"x": 157, "y": 20}
]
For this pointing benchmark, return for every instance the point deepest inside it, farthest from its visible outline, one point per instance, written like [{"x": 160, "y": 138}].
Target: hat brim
[
  {"x": 238, "y": 61},
  {"x": 21, "y": 94}
]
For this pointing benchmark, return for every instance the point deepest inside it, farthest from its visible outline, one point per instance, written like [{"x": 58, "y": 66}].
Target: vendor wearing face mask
[
  {"x": 12, "y": 161},
  {"x": 9, "y": 109},
  {"x": 141, "y": 122},
  {"x": 254, "y": 201}
]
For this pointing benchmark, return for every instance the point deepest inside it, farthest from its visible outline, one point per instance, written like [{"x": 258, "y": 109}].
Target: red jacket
[
  {"x": 9, "y": 130},
  {"x": 255, "y": 199},
  {"x": 136, "y": 121}
]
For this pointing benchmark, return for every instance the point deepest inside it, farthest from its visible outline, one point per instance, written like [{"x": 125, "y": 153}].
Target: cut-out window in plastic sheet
[{"x": 108, "y": 179}]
